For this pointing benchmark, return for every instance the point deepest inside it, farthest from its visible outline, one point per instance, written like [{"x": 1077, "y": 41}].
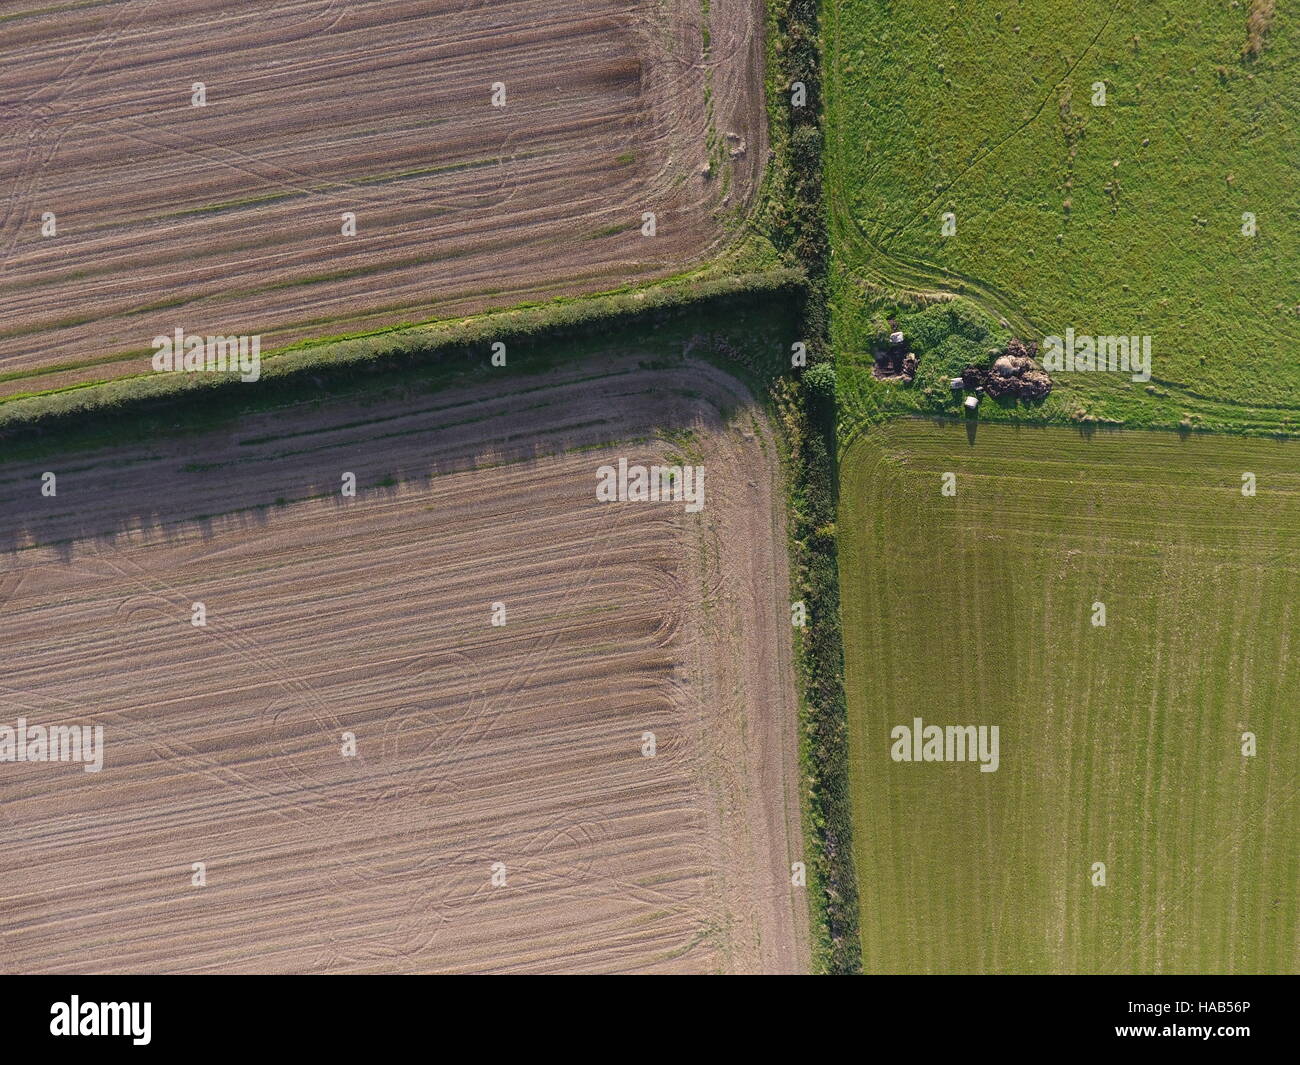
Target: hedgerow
[
  {"x": 349, "y": 358},
  {"x": 811, "y": 429}
]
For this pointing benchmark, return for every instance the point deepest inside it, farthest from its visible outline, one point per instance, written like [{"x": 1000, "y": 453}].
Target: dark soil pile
[
  {"x": 893, "y": 361},
  {"x": 1014, "y": 373}
]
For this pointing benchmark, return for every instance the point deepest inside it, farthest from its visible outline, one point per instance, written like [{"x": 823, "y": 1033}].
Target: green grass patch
[
  {"x": 1122, "y": 218},
  {"x": 1119, "y": 743}
]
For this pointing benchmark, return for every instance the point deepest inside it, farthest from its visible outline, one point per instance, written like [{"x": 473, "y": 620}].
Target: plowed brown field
[
  {"x": 226, "y": 219},
  {"x": 476, "y": 744}
]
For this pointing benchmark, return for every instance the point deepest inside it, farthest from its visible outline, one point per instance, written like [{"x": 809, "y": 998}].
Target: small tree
[{"x": 820, "y": 382}]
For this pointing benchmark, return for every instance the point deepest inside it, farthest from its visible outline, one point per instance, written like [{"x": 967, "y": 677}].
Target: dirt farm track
[
  {"x": 227, "y": 218},
  {"x": 520, "y": 744}
]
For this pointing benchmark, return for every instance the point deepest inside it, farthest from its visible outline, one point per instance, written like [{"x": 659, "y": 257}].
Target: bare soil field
[
  {"x": 227, "y": 218},
  {"x": 519, "y": 744}
]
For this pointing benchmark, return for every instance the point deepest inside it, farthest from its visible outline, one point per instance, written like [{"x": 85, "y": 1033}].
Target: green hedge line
[
  {"x": 824, "y": 747},
  {"x": 194, "y": 398}
]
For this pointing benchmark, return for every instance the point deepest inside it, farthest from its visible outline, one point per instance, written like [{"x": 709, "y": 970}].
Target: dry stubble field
[
  {"x": 477, "y": 745},
  {"x": 226, "y": 219}
]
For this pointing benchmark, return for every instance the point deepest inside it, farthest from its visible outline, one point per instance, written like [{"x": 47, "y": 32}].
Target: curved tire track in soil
[{"x": 476, "y": 744}]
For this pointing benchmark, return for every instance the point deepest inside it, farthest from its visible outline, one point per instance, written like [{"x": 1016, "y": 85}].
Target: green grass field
[
  {"x": 1117, "y": 219},
  {"x": 1119, "y": 744}
]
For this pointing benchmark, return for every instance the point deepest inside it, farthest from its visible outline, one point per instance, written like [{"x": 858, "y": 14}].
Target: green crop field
[
  {"x": 1119, "y": 743},
  {"x": 1114, "y": 216}
]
